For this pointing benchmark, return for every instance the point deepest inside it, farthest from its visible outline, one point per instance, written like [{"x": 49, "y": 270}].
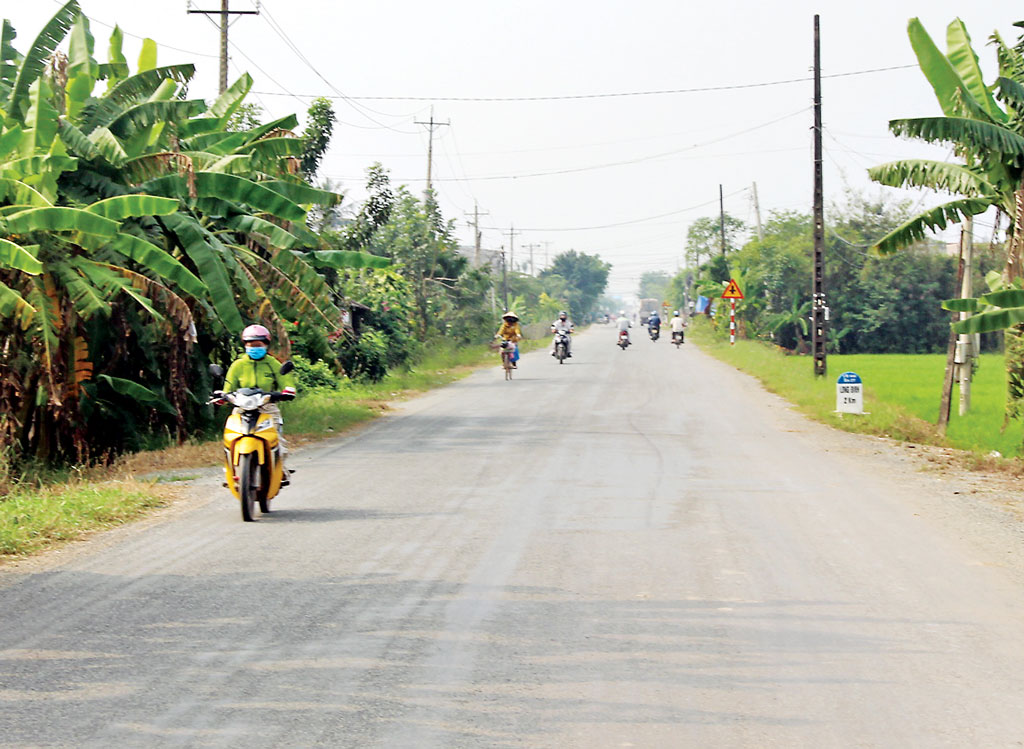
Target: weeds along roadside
[
  {"x": 51, "y": 507},
  {"x": 901, "y": 395}
]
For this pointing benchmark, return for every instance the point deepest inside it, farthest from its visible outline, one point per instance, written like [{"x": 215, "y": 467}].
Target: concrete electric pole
[
  {"x": 224, "y": 12},
  {"x": 431, "y": 126}
]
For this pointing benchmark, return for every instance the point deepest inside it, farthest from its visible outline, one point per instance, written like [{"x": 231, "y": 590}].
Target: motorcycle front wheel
[{"x": 248, "y": 465}]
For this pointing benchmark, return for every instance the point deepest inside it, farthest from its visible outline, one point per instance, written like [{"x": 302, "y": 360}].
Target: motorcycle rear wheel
[{"x": 247, "y": 468}]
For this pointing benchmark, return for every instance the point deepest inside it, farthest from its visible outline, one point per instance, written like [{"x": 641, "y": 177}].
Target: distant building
[{"x": 488, "y": 257}]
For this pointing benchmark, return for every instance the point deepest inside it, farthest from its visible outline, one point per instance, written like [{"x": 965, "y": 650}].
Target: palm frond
[
  {"x": 939, "y": 217},
  {"x": 936, "y": 175},
  {"x": 51, "y": 35},
  {"x": 961, "y": 131}
]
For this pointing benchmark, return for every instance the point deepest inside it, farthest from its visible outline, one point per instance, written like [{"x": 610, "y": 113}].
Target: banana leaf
[
  {"x": 122, "y": 206},
  {"x": 936, "y": 67},
  {"x": 143, "y": 116},
  {"x": 937, "y": 175},
  {"x": 964, "y": 60},
  {"x": 21, "y": 194},
  {"x": 13, "y": 306},
  {"x": 210, "y": 266},
  {"x": 1005, "y": 298},
  {"x": 138, "y": 393},
  {"x": 939, "y": 217},
  {"x": 962, "y": 305},
  {"x": 60, "y": 218},
  {"x": 109, "y": 146},
  {"x": 147, "y": 55},
  {"x": 228, "y": 102},
  {"x": 961, "y": 131},
  {"x": 86, "y": 296},
  {"x": 228, "y": 187},
  {"x": 20, "y": 258},
  {"x": 340, "y": 259},
  {"x": 158, "y": 262},
  {"x": 117, "y": 66},
  {"x": 991, "y": 321},
  {"x": 9, "y": 57},
  {"x": 277, "y": 236},
  {"x": 32, "y": 67},
  {"x": 77, "y": 141},
  {"x": 303, "y": 194}
]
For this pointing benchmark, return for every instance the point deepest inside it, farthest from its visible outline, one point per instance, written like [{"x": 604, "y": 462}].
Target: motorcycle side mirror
[
  {"x": 287, "y": 367},
  {"x": 216, "y": 370}
]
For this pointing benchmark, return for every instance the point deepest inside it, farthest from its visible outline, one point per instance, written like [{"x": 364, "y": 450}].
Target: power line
[
  {"x": 626, "y": 223},
  {"x": 652, "y": 157},
  {"x": 136, "y": 36},
  {"x": 620, "y": 94},
  {"x": 279, "y": 30}
]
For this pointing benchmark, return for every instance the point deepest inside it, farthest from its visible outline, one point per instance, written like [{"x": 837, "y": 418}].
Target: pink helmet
[{"x": 256, "y": 333}]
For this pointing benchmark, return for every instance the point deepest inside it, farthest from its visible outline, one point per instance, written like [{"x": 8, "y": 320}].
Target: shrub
[{"x": 310, "y": 375}]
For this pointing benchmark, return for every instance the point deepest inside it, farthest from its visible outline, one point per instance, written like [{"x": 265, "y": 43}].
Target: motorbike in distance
[
  {"x": 654, "y": 332},
  {"x": 623, "y": 339},
  {"x": 677, "y": 337},
  {"x": 561, "y": 346},
  {"x": 253, "y": 469}
]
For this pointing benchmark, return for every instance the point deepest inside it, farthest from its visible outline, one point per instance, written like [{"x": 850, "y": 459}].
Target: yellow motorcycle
[{"x": 253, "y": 468}]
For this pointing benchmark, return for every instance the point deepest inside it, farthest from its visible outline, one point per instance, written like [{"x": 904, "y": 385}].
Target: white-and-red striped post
[{"x": 732, "y": 322}]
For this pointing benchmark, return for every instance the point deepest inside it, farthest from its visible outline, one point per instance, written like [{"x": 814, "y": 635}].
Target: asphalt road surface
[{"x": 638, "y": 548}]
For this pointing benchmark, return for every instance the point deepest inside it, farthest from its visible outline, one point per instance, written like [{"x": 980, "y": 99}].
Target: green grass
[
  {"x": 901, "y": 392},
  {"x": 33, "y": 518}
]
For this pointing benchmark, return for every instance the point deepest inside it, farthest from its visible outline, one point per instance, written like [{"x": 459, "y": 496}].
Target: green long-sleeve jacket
[{"x": 264, "y": 374}]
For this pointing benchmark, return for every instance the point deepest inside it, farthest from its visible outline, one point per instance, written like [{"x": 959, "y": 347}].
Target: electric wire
[
  {"x": 358, "y": 108},
  {"x": 136, "y": 36},
  {"x": 621, "y": 94},
  {"x": 627, "y": 223}
]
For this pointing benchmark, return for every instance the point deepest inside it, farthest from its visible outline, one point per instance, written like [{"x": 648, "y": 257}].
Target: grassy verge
[
  {"x": 69, "y": 505},
  {"x": 31, "y": 519},
  {"x": 901, "y": 393}
]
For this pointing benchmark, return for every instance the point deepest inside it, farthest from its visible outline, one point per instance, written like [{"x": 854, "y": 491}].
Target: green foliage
[
  {"x": 654, "y": 284},
  {"x": 585, "y": 278},
  {"x": 311, "y": 375},
  {"x": 317, "y": 135},
  {"x": 704, "y": 238},
  {"x": 367, "y": 357}
]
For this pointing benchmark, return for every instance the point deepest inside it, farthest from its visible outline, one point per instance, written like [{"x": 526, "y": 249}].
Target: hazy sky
[{"x": 622, "y": 175}]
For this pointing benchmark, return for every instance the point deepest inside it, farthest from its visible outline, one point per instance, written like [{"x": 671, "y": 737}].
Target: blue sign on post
[{"x": 849, "y": 393}]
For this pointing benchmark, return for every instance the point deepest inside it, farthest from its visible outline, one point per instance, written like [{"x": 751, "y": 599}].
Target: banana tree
[
  {"x": 983, "y": 124},
  {"x": 134, "y": 204}
]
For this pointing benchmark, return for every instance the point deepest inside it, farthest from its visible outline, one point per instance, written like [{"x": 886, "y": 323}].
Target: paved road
[{"x": 637, "y": 548}]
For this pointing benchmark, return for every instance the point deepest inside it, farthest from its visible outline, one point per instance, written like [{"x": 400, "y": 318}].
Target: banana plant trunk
[{"x": 1014, "y": 337}]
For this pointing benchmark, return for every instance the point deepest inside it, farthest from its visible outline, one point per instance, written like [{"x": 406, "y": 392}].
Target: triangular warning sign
[{"x": 732, "y": 291}]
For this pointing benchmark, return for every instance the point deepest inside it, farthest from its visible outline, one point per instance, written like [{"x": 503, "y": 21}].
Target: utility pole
[
  {"x": 818, "y": 308},
  {"x": 224, "y": 12},
  {"x": 531, "y": 247},
  {"x": 757, "y": 214},
  {"x": 504, "y": 278},
  {"x": 721, "y": 216},
  {"x": 546, "y": 245},
  {"x": 512, "y": 233},
  {"x": 475, "y": 223},
  {"x": 431, "y": 126},
  {"x": 965, "y": 352}
]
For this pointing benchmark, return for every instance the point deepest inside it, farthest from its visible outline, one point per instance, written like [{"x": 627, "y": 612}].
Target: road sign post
[{"x": 732, "y": 293}]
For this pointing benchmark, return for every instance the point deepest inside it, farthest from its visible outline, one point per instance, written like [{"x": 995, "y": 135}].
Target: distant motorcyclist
[
  {"x": 677, "y": 325},
  {"x": 258, "y": 369},
  {"x": 510, "y": 331},
  {"x": 624, "y": 324},
  {"x": 654, "y": 322},
  {"x": 562, "y": 325}
]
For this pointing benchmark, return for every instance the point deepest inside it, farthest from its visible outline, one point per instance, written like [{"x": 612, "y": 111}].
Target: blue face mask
[{"x": 256, "y": 352}]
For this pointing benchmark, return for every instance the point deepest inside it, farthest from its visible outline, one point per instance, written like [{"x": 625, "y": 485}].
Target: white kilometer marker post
[{"x": 849, "y": 394}]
